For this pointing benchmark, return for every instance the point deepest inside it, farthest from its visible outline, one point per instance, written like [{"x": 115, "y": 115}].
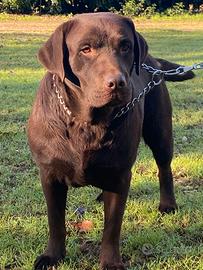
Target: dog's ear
[
  {"x": 54, "y": 53},
  {"x": 140, "y": 51},
  {"x": 140, "y": 48}
]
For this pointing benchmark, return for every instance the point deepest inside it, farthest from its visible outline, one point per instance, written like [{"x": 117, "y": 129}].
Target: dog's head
[{"x": 96, "y": 52}]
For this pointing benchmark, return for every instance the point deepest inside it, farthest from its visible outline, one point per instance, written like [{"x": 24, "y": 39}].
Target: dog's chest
[
  {"x": 99, "y": 153},
  {"x": 87, "y": 145},
  {"x": 84, "y": 137}
]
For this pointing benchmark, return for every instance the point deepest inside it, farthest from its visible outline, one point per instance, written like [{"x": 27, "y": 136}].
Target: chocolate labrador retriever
[{"x": 94, "y": 69}]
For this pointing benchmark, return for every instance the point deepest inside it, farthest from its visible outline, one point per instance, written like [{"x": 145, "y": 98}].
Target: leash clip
[
  {"x": 183, "y": 69},
  {"x": 198, "y": 66}
]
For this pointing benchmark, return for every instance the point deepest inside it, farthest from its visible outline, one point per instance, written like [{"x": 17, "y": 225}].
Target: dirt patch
[
  {"x": 46, "y": 24},
  {"x": 189, "y": 185}
]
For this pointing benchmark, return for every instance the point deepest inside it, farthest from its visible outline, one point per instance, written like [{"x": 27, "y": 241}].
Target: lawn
[{"x": 149, "y": 240}]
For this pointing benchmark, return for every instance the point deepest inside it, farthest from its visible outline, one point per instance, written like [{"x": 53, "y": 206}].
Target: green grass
[{"x": 175, "y": 241}]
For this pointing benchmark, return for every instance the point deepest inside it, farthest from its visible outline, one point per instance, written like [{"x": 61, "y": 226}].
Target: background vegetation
[
  {"x": 128, "y": 7},
  {"x": 149, "y": 240}
]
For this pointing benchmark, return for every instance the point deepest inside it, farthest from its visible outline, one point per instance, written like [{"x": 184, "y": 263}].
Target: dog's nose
[{"x": 115, "y": 82}]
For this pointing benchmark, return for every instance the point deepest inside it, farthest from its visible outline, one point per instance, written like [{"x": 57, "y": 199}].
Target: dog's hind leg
[{"x": 157, "y": 134}]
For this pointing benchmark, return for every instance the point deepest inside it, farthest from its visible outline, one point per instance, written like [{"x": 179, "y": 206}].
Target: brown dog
[{"x": 96, "y": 61}]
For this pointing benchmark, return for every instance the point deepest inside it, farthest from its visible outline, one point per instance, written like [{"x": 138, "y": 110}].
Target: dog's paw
[
  {"x": 114, "y": 266},
  {"x": 45, "y": 262},
  {"x": 111, "y": 261},
  {"x": 167, "y": 208}
]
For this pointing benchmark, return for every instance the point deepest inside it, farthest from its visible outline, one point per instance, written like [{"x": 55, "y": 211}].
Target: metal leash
[
  {"x": 177, "y": 71},
  {"x": 155, "y": 72}
]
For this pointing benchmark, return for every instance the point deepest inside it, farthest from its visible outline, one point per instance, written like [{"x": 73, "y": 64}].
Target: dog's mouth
[{"x": 116, "y": 98}]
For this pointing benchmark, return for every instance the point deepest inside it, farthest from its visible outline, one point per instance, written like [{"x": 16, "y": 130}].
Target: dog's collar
[{"x": 59, "y": 96}]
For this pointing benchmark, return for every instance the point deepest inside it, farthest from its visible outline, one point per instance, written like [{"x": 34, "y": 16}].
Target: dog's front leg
[
  {"x": 55, "y": 194},
  {"x": 114, "y": 205}
]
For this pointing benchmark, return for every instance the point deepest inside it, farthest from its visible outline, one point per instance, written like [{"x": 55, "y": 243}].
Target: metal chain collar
[
  {"x": 60, "y": 98},
  {"x": 151, "y": 84}
]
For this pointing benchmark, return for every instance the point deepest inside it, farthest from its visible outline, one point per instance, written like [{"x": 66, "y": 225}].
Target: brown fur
[{"x": 89, "y": 147}]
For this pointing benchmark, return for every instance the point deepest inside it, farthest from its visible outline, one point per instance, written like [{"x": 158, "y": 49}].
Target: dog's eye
[
  {"x": 125, "y": 47},
  {"x": 86, "y": 49}
]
